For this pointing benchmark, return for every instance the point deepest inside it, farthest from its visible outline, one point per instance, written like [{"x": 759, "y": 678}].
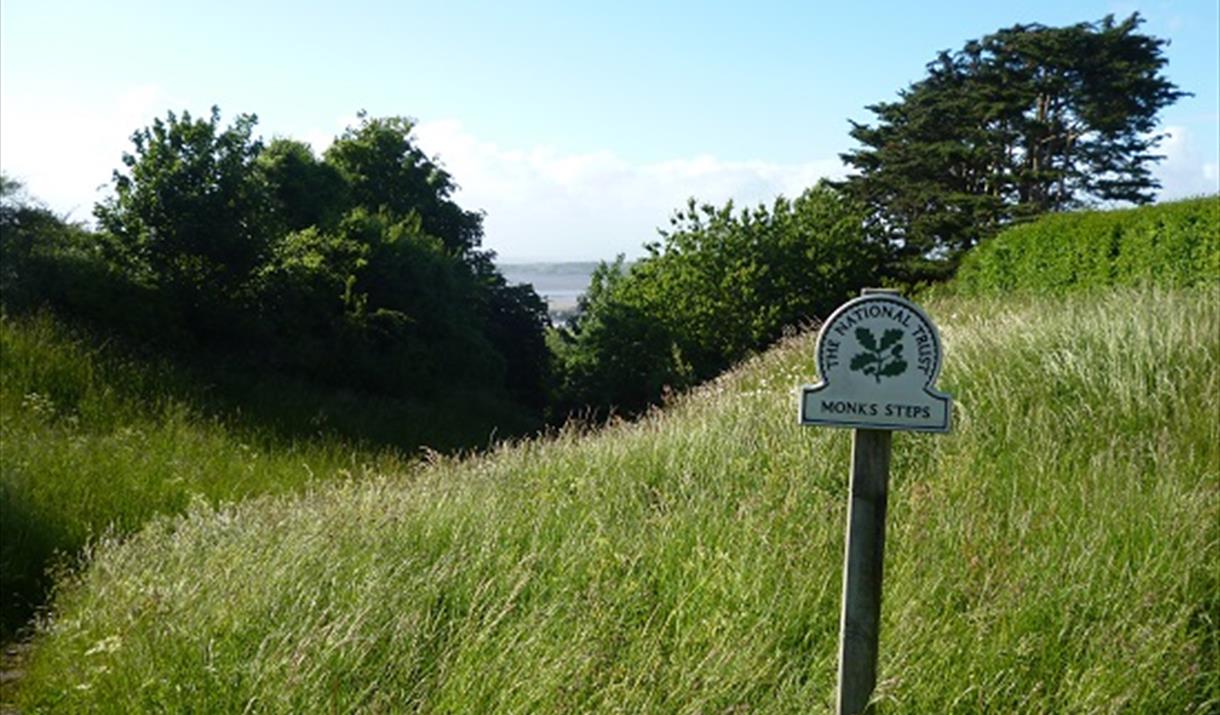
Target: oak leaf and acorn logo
[{"x": 879, "y": 359}]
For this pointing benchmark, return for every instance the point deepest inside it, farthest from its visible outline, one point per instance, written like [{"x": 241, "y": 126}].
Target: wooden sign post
[{"x": 878, "y": 357}]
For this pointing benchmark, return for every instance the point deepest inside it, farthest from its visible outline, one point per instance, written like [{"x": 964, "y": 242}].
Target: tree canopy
[
  {"x": 721, "y": 283},
  {"x": 356, "y": 268},
  {"x": 1028, "y": 120},
  {"x": 387, "y": 171},
  {"x": 189, "y": 209},
  {"x": 359, "y": 267}
]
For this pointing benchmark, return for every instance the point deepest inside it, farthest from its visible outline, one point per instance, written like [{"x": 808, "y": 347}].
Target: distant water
[{"x": 560, "y": 284}]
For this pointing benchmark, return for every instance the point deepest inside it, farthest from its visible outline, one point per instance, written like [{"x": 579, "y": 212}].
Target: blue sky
[{"x": 577, "y": 127}]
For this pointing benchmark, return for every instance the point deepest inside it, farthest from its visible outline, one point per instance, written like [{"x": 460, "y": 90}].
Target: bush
[
  {"x": 719, "y": 286},
  {"x": 191, "y": 212},
  {"x": 1173, "y": 245},
  {"x": 356, "y": 270}
]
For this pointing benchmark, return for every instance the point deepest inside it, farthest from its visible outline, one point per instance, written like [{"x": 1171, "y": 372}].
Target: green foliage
[
  {"x": 617, "y": 354},
  {"x": 1056, "y": 553},
  {"x": 305, "y": 192},
  {"x": 720, "y": 285},
  {"x": 387, "y": 172},
  {"x": 413, "y": 306},
  {"x": 1027, "y": 120},
  {"x": 515, "y": 319},
  {"x": 47, "y": 260},
  {"x": 1172, "y": 244},
  {"x": 29, "y": 235},
  {"x": 190, "y": 212},
  {"x": 357, "y": 270},
  {"x": 294, "y": 278}
]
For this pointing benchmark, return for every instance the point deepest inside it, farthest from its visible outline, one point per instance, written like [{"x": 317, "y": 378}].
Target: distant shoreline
[{"x": 561, "y": 284}]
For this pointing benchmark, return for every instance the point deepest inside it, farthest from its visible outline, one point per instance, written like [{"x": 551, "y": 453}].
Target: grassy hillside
[
  {"x": 96, "y": 440},
  {"x": 1057, "y": 553},
  {"x": 1173, "y": 244}
]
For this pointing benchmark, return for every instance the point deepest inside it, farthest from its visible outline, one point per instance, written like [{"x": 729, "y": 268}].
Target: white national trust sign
[{"x": 878, "y": 357}]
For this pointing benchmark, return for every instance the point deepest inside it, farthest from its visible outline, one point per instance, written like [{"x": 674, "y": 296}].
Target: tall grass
[
  {"x": 1055, "y": 554},
  {"x": 95, "y": 439}
]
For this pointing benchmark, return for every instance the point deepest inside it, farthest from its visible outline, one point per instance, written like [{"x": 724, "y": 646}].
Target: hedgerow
[{"x": 1172, "y": 245}]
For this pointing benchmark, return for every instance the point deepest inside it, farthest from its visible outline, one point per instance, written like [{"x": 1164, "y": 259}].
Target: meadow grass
[
  {"x": 1057, "y": 553},
  {"x": 96, "y": 439}
]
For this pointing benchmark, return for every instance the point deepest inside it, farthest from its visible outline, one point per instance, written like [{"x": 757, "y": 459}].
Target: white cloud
[
  {"x": 544, "y": 204},
  {"x": 65, "y": 152},
  {"x": 321, "y": 139},
  {"x": 1185, "y": 170},
  {"x": 540, "y": 203}
]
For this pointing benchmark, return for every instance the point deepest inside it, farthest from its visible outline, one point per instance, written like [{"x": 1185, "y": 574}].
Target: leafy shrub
[
  {"x": 720, "y": 285},
  {"x": 190, "y": 211},
  {"x": 357, "y": 270},
  {"x": 1173, "y": 244},
  {"x": 617, "y": 353}
]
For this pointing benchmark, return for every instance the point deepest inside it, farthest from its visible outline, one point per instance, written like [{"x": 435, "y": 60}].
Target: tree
[
  {"x": 729, "y": 282},
  {"x": 617, "y": 355},
  {"x": 388, "y": 172},
  {"x": 720, "y": 284},
  {"x": 515, "y": 319},
  {"x": 304, "y": 191},
  {"x": 1028, "y": 120},
  {"x": 29, "y": 233},
  {"x": 190, "y": 211},
  {"x": 357, "y": 269}
]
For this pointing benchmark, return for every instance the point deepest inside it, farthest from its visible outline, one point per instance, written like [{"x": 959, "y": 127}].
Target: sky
[{"x": 577, "y": 127}]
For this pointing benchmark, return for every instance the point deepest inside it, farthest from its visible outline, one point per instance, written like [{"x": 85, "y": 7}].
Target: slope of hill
[
  {"x": 1056, "y": 553},
  {"x": 94, "y": 438}
]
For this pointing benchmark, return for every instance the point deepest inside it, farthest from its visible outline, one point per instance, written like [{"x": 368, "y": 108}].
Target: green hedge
[{"x": 1173, "y": 244}]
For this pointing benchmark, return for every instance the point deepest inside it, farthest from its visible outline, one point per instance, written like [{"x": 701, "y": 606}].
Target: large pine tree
[{"x": 1027, "y": 120}]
